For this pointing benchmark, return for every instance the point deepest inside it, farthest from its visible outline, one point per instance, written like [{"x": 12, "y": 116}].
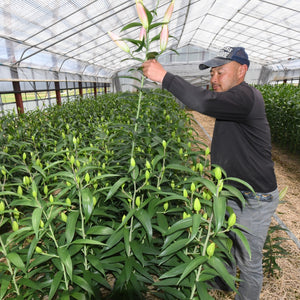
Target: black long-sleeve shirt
[{"x": 241, "y": 142}]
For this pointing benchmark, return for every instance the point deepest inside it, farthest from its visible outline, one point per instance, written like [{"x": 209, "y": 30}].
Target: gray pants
[{"x": 256, "y": 216}]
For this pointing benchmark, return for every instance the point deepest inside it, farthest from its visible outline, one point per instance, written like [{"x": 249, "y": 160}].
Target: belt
[{"x": 258, "y": 196}]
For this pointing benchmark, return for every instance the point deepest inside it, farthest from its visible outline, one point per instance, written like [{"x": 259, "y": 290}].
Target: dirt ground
[{"x": 286, "y": 284}]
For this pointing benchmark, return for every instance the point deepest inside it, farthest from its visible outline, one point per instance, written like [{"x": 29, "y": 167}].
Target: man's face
[{"x": 225, "y": 77}]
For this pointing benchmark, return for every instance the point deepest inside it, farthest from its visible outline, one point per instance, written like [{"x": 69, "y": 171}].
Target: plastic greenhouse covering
[{"x": 52, "y": 40}]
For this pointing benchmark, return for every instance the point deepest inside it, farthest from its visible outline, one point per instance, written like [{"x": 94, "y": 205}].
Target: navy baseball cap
[{"x": 226, "y": 55}]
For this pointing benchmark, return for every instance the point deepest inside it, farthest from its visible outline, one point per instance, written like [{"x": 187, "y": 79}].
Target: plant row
[
  {"x": 283, "y": 112},
  {"x": 85, "y": 216}
]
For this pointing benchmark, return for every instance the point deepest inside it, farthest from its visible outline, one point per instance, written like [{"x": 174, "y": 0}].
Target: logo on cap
[{"x": 225, "y": 52}]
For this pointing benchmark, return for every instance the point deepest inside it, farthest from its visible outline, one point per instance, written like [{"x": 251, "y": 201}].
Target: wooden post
[
  {"x": 105, "y": 88},
  {"x": 18, "y": 97},
  {"x": 95, "y": 89},
  {"x": 57, "y": 92},
  {"x": 80, "y": 89}
]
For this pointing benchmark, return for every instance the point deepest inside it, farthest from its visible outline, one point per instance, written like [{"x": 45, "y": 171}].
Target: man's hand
[{"x": 154, "y": 70}]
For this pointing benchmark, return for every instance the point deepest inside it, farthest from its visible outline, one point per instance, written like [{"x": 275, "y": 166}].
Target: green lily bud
[
  {"x": 210, "y": 250},
  {"x": 72, "y": 159},
  {"x": 147, "y": 174},
  {"x": 94, "y": 201},
  {"x": 16, "y": 213},
  {"x": 38, "y": 250},
  {"x": 138, "y": 201},
  {"x": 51, "y": 199},
  {"x": 205, "y": 216},
  {"x": 197, "y": 205},
  {"x": 2, "y": 206},
  {"x": 148, "y": 165},
  {"x": 45, "y": 189},
  {"x": 87, "y": 177},
  {"x": 164, "y": 143},
  {"x": 42, "y": 224},
  {"x": 68, "y": 201},
  {"x": 74, "y": 140},
  {"x": 34, "y": 194},
  {"x": 173, "y": 184},
  {"x": 231, "y": 220},
  {"x": 123, "y": 218},
  {"x": 185, "y": 193},
  {"x": 15, "y": 226},
  {"x": 218, "y": 173},
  {"x": 193, "y": 187},
  {"x": 64, "y": 217},
  {"x": 132, "y": 162},
  {"x": 200, "y": 167},
  {"x": 207, "y": 151},
  {"x": 20, "y": 191},
  {"x": 24, "y": 156},
  {"x": 166, "y": 206}
]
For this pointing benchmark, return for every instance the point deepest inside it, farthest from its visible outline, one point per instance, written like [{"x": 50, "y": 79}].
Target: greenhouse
[{"x": 110, "y": 183}]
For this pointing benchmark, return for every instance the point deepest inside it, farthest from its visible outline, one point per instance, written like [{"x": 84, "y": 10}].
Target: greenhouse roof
[{"x": 71, "y": 35}]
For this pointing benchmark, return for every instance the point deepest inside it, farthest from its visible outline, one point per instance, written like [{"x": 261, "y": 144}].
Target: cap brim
[{"x": 215, "y": 62}]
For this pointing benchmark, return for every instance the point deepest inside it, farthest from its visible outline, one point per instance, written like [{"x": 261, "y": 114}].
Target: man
[{"x": 241, "y": 145}]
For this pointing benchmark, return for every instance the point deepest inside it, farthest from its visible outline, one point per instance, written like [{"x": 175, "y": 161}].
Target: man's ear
[{"x": 243, "y": 70}]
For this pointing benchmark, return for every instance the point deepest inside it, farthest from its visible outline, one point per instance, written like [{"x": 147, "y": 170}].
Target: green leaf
[
  {"x": 100, "y": 230},
  {"x": 87, "y": 203},
  {"x": 115, "y": 187},
  {"x": 197, "y": 220},
  {"x": 55, "y": 284},
  {"x": 218, "y": 265},
  {"x": 38, "y": 260},
  {"x": 179, "y": 167},
  {"x": 29, "y": 283},
  {"x": 96, "y": 263},
  {"x": 126, "y": 241},
  {"x": 65, "y": 257},
  {"x": 180, "y": 225},
  {"x": 162, "y": 222},
  {"x": 243, "y": 239},
  {"x": 177, "y": 294},
  {"x": 36, "y": 218},
  {"x": 219, "y": 208},
  {"x": 234, "y": 192},
  {"x": 143, "y": 216},
  {"x": 71, "y": 225},
  {"x": 88, "y": 242},
  {"x": 83, "y": 284},
  {"x": 5, "y": 282},
  {"x": 130, "y": 25},
  {"x": 242, "y": 182},
  {"x": 16, "y": 260},
  {"x": 194, "y": 264},
  {"x": 178, "y": 270},
  {"x": 203, "y": 292},
  {"x": 114, "y": 238},
  {"x": 137, "y": 251},
  {"x": 176, "y": 246}
]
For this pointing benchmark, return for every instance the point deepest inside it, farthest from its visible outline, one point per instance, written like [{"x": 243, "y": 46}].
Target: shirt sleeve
[{"x": 232, "y": 105}]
